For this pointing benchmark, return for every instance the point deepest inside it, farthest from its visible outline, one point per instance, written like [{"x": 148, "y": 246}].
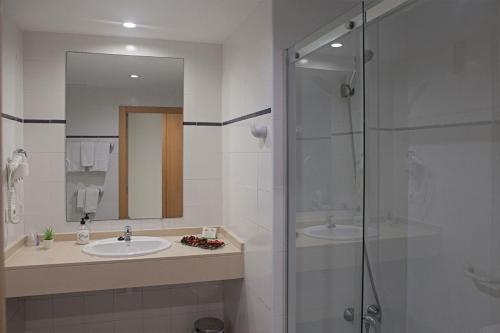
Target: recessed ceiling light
[
  {"x": 337, "y": 45},
  {"x": 134, "y": 76},
  {"x": 303, "y": 61},
  {"x": 129, "y": 25},
  {"x": 130, "y": 48}
]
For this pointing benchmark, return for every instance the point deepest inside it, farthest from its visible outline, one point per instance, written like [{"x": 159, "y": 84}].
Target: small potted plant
[{"x": 48, "y": 238}]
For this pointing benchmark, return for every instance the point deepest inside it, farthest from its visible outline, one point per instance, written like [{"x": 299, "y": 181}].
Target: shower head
[
  {"x": 368, "y": 55},
  {"x": 347, "y": 89}
]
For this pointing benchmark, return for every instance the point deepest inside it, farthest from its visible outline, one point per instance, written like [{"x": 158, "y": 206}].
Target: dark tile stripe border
[
  {"x": 248, "y": 116},
  {"x": 186, "y": 123},
  {"x": 201, "y": 123},
  {"x": 8, "y": 116},
  {"x": 232, "y": 121},
  {"x": 93, "y": 136},
  {"x": 44, "y": 121},
  {"x": 208, "y": 124},
  {"x": 34, "y": 121}
]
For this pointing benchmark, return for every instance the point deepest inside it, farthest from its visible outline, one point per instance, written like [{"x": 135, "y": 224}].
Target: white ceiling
[
  {"x": 344, "y": 58},
  {"x": 209, "y": 21},
  {"x": 113, "y": 71}
]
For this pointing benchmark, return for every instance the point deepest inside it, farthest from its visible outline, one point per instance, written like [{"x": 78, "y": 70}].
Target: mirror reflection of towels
[
  {"x": 87, "y": 198},
  {"x": 101, "y": 156},
  {"x": 91, "y": 199},
  {"x": 87, "y": 154},
  {"x": 80, "y": 198},
  {"x": 73, "y": 157}
]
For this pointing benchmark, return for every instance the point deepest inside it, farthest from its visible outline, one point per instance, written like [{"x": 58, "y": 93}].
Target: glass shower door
[
  {"x": 394, "y": 168},
  {"x": 432, "y": 165},
  {"x": 326, "y": 181}
]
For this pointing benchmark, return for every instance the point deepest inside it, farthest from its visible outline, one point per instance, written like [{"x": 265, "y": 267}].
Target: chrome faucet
[
  {"x": 372, "y": 319},
  {"x": 127, "y": 234},
  {"x": 331, "y": 222}
]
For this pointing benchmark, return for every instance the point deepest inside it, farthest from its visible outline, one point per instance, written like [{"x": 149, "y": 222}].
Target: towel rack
[
  {"x": 101, "y": 191},
  {"x": 471, "y": 272},
  {"x": 111, "y": 144}
]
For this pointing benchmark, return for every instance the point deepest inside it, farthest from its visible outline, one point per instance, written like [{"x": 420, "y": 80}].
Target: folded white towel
[
  {"x": 87, "y": 154},
  {"x": 91, "y": 199},
  {"x": 101, "y": 157},
  {"x": 80, "y": 198},
  {"x": 73, "y": 157}
]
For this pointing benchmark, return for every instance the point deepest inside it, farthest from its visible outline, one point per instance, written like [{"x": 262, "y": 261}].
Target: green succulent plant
[{"x": 48, "y": 234}]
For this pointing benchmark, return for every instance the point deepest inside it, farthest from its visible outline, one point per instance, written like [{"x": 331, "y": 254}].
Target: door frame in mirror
[{"x": 172, "y": 159}]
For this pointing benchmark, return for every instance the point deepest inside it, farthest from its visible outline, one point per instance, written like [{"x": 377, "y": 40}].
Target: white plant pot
[{"x": 47, "y": 244}]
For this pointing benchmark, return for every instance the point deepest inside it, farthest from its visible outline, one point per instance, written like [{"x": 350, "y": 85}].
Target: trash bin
[{"x": 208, "y": 325}]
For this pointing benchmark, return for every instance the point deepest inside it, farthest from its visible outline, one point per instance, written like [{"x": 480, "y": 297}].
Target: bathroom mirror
[{"x": 124, "y": 137}]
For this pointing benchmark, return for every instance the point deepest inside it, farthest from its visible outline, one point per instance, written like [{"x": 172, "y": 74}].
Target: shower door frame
[{"x": 306, "y": 46}]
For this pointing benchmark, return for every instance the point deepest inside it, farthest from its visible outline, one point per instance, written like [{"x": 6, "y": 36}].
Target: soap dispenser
[{"x": 83, "y": 233}]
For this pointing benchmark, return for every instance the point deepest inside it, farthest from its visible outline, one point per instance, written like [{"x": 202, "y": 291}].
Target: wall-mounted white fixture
[
  {"x": 259, "y": 131},
  {"x": 481, "y": 276},
  {"x": 17, "y": 169},
  {"x": 129, "y": 25}
]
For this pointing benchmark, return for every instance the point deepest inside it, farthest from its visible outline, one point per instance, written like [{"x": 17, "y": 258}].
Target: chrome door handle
[{"x": 372, "y": 318}]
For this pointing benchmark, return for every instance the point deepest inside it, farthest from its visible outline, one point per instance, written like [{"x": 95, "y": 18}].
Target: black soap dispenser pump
[{"x": 83, "y": 233}]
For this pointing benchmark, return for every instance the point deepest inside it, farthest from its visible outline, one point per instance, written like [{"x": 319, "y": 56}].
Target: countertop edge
[{"x": 112, "y": 261}]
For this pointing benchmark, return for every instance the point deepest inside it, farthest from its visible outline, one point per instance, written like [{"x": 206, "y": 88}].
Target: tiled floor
[{"x": 165, "y": 309}]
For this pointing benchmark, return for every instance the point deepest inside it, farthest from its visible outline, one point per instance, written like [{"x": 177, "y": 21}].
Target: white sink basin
[
  {"x": 338, "y": 232},
  {"x": 138, "y": 246}
]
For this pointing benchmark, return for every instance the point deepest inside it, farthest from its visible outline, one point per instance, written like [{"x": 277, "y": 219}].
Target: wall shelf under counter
[{"x": 64, "y": 268}]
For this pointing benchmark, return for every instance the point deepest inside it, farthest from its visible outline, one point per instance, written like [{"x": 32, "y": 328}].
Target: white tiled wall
[
  {"x": 44, "y": 61},
  {"x": 12, "y": 104},
  {"x": 248, "y": 170},
  {"x": 45, "y": 190},
  {"x": 162, "y": 309}
]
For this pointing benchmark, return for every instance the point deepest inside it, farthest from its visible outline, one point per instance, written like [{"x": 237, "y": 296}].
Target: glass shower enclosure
[{"x": 393, "y": 170}]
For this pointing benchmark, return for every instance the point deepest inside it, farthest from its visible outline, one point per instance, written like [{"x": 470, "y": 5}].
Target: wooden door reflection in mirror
[{"x": 150, "y": 162}]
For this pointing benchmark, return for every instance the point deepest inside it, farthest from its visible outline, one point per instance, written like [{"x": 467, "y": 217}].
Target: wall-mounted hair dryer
[{"x": 17, "y": 169}]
